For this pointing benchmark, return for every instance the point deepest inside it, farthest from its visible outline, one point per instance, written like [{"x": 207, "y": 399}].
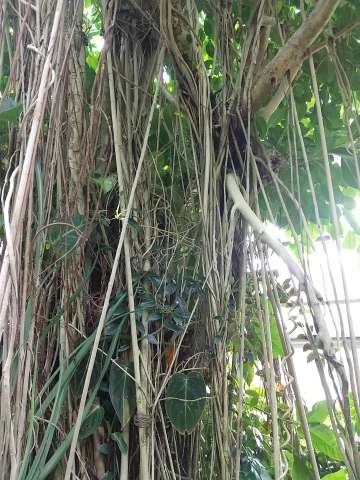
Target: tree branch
[
  {"x": 292, "y": 53},
  {"x": 337, "y": 36},
  {"x": 276, "y": 99},
  {"x": 285, "y": 84},
  {"x": 259, "y": 228}
]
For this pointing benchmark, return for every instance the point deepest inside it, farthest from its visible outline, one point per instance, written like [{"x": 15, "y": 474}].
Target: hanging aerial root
[{"x": 314, "y": 298}]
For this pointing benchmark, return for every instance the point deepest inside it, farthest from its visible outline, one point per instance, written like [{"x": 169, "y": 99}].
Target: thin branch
[
  {"x": 337, "y": 36},
  {"x": 291, "y": 54}
]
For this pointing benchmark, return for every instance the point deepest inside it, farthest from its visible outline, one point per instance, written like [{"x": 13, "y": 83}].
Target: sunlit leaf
[
  {"x": 318, "y": 413},
  {"x": 324, "y": 441},
  {"x": 339, "y": 475}
]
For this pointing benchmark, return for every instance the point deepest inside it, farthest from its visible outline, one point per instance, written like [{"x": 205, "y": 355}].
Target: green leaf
[
  {"x": 318, "y": 413},
  {"x": 324, "y": 441},
  {"x": 249, "y": 372},
  {"x": 135, "y": 225},
  {"x": 93, "y": 60},
  {"x": 105, "y": 183},
  {"x": 154, "y": 317},
  {"x": 209, "y": 26},
  {"x": 118, "y": 306},
  {"x": 77, "y": 382},
  {"x": 210, "y": 49},
  {"x": 63, "y": 238},
  {"x": 122, "y": 391},
  {"x": 261, "y": 126},
  {"x": 105, "y": 448},
  {"x": 89, "y": 78},
  {"x": 253, "y": 469},
  {"x": 290, "y": 459},
  {"x": 350, "y": 241},
  {"x": 120, "y": 442},
  {"x": 148, "y": 302},
  {"x": 354, "y": 415},
  {"x": 339, "y": 475},
  {"x": 253, "y": 397},
  {"x": 92, "y": 422},
  {"x": 9, "y": 110},
  {"x": 107, "y": 476},
  {"x": 301, "y": 470},
  {"x": 185, "y": 400},
  {"x": 152, "y": 339},
  {"x": 275, "y": 338},
  {"x": 172, "y": 326}
]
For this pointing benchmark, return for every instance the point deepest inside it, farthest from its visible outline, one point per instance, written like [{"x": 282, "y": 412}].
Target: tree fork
[{"x": 292, "y": 53}]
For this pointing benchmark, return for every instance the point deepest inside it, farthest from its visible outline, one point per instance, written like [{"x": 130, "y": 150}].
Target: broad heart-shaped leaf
[
  {"x": 91, "y": 422},
  {"x": 122, "y": 391},
  {"x": 185, "y": 400},
  {"x": 300, "y": 469},
  {"x": 9, "y": 110},
  {"x": 318, "y": 413},
  {"x": 324, "y": 441}
]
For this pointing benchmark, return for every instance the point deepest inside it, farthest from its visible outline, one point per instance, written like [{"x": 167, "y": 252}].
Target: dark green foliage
[
  {"x": 122, "y": 391},
  {"x": 185, "y": 400},
  {"x": 92, "y": 422}
]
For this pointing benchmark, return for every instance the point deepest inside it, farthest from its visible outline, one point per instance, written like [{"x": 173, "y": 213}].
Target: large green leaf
[
  {"x": 324, "y": 441},
  {"x": 339, "y": 475},
  {"x": 318, "y": 413},
  {"x": 185, "y": 400},
  {"x": 300, "y": 469},
  {"x": 122, "y": 391},
  {"x": 9, "y": 110}
]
